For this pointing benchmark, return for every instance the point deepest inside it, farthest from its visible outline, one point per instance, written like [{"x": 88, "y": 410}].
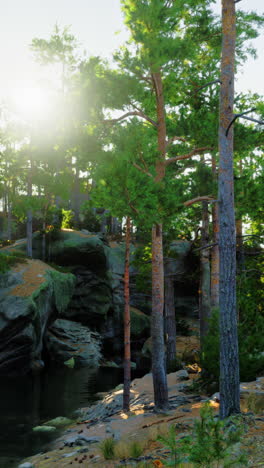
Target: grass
[
  {"x": 107, "y": 448},
  {"x": 10, "y": 259}
]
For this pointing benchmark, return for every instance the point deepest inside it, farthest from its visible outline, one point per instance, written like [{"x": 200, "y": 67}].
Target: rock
[
  {"x": 28, "y": 303},
  {"x": 44, "y": 429},
  {"x": 140, "y": 323},
  {"x": 68, "y": 455},
  {"x": 60, "y": 421},
  {"x": 80, "y": 440},
  {"x": 216, "y": 397},
  {"x": 26, "y": 465},
  {"x": 70, "y": 363},
  {"x": 182, "y": 375},
  {"x": 72, "y": 344}
]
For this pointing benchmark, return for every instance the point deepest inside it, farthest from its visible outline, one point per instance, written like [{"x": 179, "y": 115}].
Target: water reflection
[{"x": 28, "y": 401}]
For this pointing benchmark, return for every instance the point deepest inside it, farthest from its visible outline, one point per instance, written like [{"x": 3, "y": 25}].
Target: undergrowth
[{"x": 10, "y": 259}]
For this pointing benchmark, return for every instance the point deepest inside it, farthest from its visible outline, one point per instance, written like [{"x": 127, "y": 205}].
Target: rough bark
[
  {"x": 205, "y": 297},
  {"x": 157, "y": 318},
  {"x": 127, "y": 353},
  {"x": 170, "y": 322},
  {"x": 157, "y": 327},
  {"x": 29, "y": 213},
  {"x": 215, "y": 249},
  {"x": 229, "y": 358}
]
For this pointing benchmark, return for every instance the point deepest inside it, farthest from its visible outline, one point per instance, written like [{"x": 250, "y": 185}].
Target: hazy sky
[{"x": 94, "y": 23}]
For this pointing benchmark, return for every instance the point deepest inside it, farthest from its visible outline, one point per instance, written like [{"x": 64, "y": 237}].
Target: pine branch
[
  {"x": 206, "y": 85},
  {"x": 141, "y": 169},
  {"x": 199, "y": 199},
  {"x": 130, "y": 114},
  {"x": 195, "y": 151},
  {"x": 175, "y": 138},
  {"x": 243, "y": 116},
  {"x": 208, "y": 246}
]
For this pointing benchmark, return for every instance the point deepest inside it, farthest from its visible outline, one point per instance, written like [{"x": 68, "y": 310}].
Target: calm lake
[{"x": 26, "y": 402}]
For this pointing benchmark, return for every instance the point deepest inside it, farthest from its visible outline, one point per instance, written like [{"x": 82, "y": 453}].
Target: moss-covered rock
[
  {"x": 140, "y": 323},
  {"x": 32, "y": 296}
]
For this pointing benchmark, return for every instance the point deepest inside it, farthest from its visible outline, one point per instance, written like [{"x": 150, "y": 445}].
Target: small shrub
[
  {"x": 210, "y": 443},
  {"x": 136, "y": 449},
  {"x": 67, "y": 219},
  {"x": 9, "y": 260},
  {"x": 107, "y": 448}
]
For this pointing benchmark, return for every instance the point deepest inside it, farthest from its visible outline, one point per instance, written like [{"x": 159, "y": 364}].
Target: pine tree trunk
[
  {"x": 215, "y": 249},
  {"x": 170, "y": 322},
  {"x": 205, "y": 296},
  {"x": 29, "y": 214},
  {"x": 9, "y": 221},
  {"x": 229, "y": 357},
  {"x": 157, "y": 322},
  {"x": 127, "y": 353}
]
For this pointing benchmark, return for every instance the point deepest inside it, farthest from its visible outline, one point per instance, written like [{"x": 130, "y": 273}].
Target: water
[{"x": 29, "y": 401}]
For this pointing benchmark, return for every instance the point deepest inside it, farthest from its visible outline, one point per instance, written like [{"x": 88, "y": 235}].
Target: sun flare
[{"x": 31, "y": 103}]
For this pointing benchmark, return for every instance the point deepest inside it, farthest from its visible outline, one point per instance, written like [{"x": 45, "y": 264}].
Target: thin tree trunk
[
  {"x": 215, "y": 249},
  {"x": 205, "y": 296},
  {"x": 127, "y": 352},
  {"x": 229, "y": 357},
  {"x": 9, "y": 220},
  {"x": 170, "y": 322},
  {"x": 29, "y": 213},
  {"x": 157, "y": 322}
]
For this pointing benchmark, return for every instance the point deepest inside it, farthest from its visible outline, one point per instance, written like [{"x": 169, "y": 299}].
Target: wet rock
[{"x": 67, "y": 340}]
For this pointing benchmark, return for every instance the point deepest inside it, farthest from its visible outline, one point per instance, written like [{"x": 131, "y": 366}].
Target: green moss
[
  {"x": 140, "y": 322},
  {"x": 63, "y": 286},
  {"x": 9, "y": 259}
]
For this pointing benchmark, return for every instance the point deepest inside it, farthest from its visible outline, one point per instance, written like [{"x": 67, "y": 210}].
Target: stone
[
  {"x": 44, "y": 429},
  {"x": 73, "y": 344},
  {"x": 26, "y": 465},
  {"x": 80, "y": 440},
  {"x": 60, "y": 421},
  {"x": 182, "y": 375},
  {"x": 28, "y": 304},
  {"x": 140, "y": 323}
]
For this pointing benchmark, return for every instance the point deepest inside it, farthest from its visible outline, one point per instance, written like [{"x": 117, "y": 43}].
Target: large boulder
[
  {"x": 32, "y": 295},
  {"x": 65, "y": 340}
]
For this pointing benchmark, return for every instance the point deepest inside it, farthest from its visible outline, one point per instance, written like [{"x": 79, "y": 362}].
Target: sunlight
[{"x": 31, "y": 103}]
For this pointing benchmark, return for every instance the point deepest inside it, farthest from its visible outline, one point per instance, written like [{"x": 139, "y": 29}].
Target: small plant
[
  {"x": 107, "y": 448},
  {"x": 209, "y": 445},
  {"x": 9, "y": 260},
  {"x": 136, "y": 449}
]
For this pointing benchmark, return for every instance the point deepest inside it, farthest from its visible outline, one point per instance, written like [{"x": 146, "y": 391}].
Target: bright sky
[{"x": 94, "y": 23}]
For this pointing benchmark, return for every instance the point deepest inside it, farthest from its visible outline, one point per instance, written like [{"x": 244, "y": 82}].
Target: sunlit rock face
[{"x": 32, "y": 295}]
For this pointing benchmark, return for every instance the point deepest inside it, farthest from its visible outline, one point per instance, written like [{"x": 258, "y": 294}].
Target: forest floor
[{"x": 80, "y": 442}]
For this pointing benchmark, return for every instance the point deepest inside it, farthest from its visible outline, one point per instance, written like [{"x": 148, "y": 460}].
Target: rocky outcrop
[
  {"x": 66, "y": 340},
  {"x": 32, "y": 295}
]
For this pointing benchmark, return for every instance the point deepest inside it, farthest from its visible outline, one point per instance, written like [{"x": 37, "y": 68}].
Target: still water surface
[{"x": 29, "y": 401}]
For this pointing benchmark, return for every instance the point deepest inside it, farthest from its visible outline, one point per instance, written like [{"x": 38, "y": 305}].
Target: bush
[
  {"x": 107, "y": 448},
  {"x": 89, "y": 220},
  {"x": 67, "y": 219},
  {"x": 209, "y": 444},
  {"x": 9, "y": 260}
]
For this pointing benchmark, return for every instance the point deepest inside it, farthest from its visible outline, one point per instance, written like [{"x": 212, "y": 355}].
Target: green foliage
[
  {"x": 89, "y": 220},
  {"x": 209, "y": 444},
  {"x": 135, "y": 449},
  {"x": 10, "y": 259},
  {"x": 67, "y": 219},
  {"x": 107, "y": 447},
  {"x": 250, "y": 297},
  {"x": 142, "y": 263}
]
